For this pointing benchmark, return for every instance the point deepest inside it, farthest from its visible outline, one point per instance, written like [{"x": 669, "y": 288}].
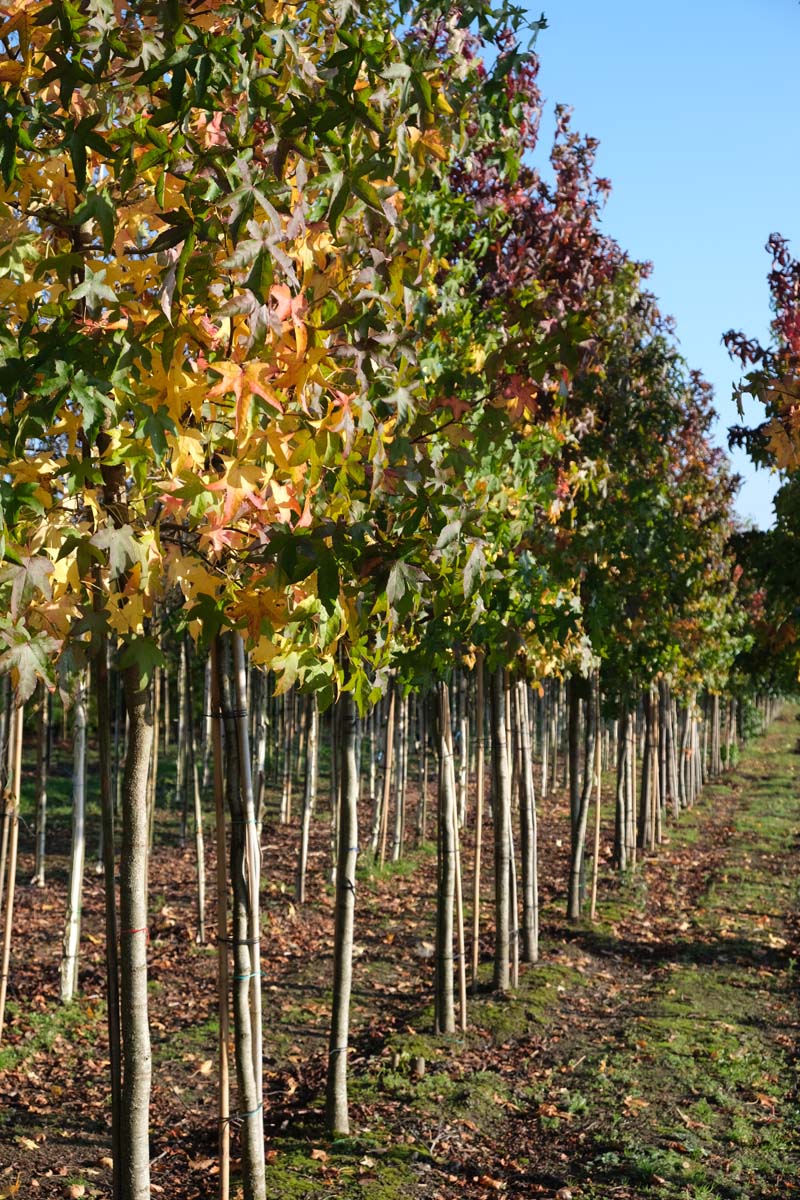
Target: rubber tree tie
[
  {"x": 241, "y": 1116},
  {"x": 131, "y": 932}
]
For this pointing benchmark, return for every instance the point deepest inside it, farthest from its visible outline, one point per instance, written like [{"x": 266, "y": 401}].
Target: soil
[{"x": 649, "y": 1053}]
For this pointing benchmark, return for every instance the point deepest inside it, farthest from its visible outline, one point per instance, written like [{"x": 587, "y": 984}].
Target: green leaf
[
  {"x": 122, "y": 547},
  {"x": 144, "y": 654},
  {"x": 94, "y": 291},
  {"x": 28, "y": 659},
  {"x": 474, "y": 569}
]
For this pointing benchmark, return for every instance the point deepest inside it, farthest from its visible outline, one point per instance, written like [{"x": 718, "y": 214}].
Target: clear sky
[{"x": 697, "y": 108}]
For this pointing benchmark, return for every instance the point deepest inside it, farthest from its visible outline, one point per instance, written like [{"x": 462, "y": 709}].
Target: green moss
[{"x": 67, "y": 1028}]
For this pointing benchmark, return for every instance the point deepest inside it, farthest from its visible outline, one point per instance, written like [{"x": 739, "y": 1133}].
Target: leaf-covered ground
[{"x": 651, "y": 1054}]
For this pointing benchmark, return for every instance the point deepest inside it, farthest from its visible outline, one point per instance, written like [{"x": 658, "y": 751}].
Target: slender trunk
[
  {"x": 208, "y": 727},
  {"x": 336, "y": 790},
  {"x": 72, "y": 921},
  {"x": 530, "y": 870},
  {"x": 223, "y": 1066},
  {"x": 245, "y": 936},
  {"x": 598, "y": 785},
  {"x": 645, "y": 797},
  {"x": 288, "y": 734},
  {"x": 401, "y": 754},
  {"x": 194, "y": 780},
  {"x": 480, "y": 769},
  {"x": 621, "y": 809},
  {"x": 181, "y": 790},
  {"x": 137, "y": 1065},
  {"x": 152, "y": 790},
  {"x": 387, "y": 772},
  {"x": 463, "y": 746},
  {"x": 445, "y": 892},
  {"x": 253, "y": 856},
  {"x": 574, "y": 752},
  {"x": 581, "y": 816},
  {"x": 336, "y": 1108},
  {"x": 501, "y": 819},
  {"x": 422, "y": 820},
  {"x": 41, "y": 787},
  {"x": 309, "y": 797},
  {"x": 103, "y": 702}
]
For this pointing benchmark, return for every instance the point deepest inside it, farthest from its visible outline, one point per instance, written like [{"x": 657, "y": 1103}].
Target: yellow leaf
[{"x": 11, "y": 72}]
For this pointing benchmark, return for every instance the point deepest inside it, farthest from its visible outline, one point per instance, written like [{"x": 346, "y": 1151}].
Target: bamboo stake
[
  {"x": 16, "y": 738},
  {"x": 387, "y": 773}
]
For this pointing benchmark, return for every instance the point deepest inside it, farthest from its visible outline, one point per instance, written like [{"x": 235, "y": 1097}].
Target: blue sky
[{"x": 697, "y": 108}]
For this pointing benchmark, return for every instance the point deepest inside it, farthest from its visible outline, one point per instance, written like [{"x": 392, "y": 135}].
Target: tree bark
[
  {"x": 41, "y": 787},
  {"x": 72, "y": 921},
  {"x": 336, "y": 1107},
  {"x": 103, "y": 702},
  {"x": 137, "y": 1063},
  {"x": 445, "y": 892},
  {"x": 480, "y": 768},
  {"x": 581, "y": 816},
  {"x": 501, "y": 819},
  {"x": 245, "y": 935},
  {"x": 309, "y": 797},
  {"x": 194, "y": 780},
  {"x": 527, "y": 800},
  {"x": 223, "y": 1066}
]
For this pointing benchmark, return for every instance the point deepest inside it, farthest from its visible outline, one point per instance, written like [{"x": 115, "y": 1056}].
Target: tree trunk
[
  {"x": 645, "y": 797},
  {"x": 598, "y": 796},
  {"x": 194, "y": 781},
  {"x": 105, "y": 754},
  {"x": 137, "y": 1065},
  {"x": 530, "y": 868},
  {"x": 223, "y": 1066},
  {"x": 445, "y": 892},
  {"x": 245, "y": 931},
  {"x": 41, "y": 786},
  {"x": 336, "y": 1108},
  {"x": 501, "y": 820},
  {"x": 72, "y": 922},
  {"x": 581, "y": 816},
  {"x": 152, "y": 790},
  {"x": 621, "y": 810},
  {"x": 480, "y": 768},
  {"x": 309, "y": 797}
]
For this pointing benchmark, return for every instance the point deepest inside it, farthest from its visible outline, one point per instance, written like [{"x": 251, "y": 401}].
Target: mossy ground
[{"x": 696, "y": 1096}]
